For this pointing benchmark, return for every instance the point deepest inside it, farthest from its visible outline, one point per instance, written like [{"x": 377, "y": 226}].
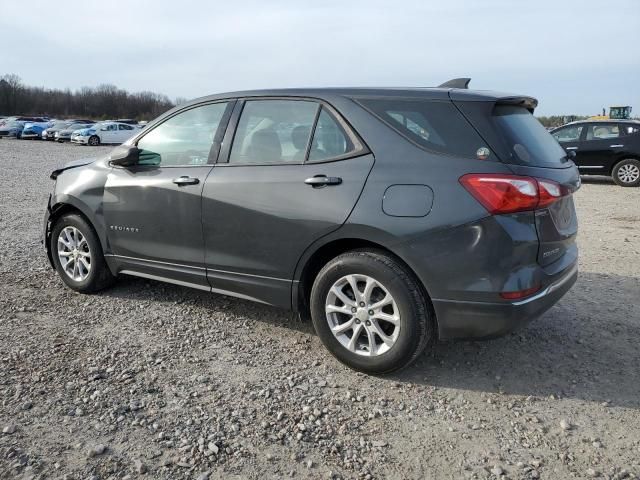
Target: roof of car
[
  {"x": 422, "y": 92},
  {"x": 607, "y": 120}
]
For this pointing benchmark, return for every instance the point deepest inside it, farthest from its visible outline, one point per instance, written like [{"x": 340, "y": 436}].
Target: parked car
[
  {"x": 64, "y": 134},
  {"x": 104, "y": 133},
  {"x": 14, "y": 126},
  {"x": 50, "y": 133},
  {"x": 604, "y": 147},
  {"x": 393, "y": 217},
  {"x": 33, "y": 130},
  {"x": 11, "y": 128}
]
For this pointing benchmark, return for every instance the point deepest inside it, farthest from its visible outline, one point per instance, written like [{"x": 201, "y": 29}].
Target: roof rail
[{"x": 456, "y": 83}]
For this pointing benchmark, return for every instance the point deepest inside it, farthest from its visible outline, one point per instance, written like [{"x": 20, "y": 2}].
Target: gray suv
[{"x": 391, "y": 217}]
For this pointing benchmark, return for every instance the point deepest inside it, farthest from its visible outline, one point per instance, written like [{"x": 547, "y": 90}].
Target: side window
[
  {"x": 629, "y": 129},
  {"x": 434, "y": 125},
  {"x": 123, "y": 126},
  {"x": 602, "y": 131},
  {"x": 329, "y": 139},
  {"x": 569, "y": 134},
  {"x": 184, "y": 139},
  {"x": 111, "y": 127},
  {"x": 273, "y": 131}
]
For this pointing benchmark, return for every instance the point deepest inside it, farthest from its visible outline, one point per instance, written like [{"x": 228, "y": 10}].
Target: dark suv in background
[
  {"x": 393, "y": 217},
  {"x": 604, "y": 147}
]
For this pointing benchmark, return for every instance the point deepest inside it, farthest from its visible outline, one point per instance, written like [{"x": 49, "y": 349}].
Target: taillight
[{"x": 501, "y": 194}]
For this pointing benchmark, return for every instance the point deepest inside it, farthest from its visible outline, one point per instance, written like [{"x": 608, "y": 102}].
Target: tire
[
  {"x": 626, "y": 173},
  {"x": 94, "y": 140},
  {"x": 88, "y": 280},
  {"x": 416, "y": 320}
]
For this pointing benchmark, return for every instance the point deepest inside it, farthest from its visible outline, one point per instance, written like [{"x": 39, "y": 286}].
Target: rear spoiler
[{"x": 529, "y": 103}]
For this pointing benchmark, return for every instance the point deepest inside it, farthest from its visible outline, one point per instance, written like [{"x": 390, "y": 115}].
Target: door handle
[
  {"x": 184, "y": 180},
  {"x": 571, "y": 148},
  {"x": 616, "y": 146},
  {"x": 322, "y": 180}
]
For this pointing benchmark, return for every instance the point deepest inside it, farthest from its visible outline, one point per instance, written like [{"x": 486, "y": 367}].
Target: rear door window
[
  {"x": 330, "y": 140},
  {"x": 273, "y": 131},
  {"x": 602, "y": 131},
  {"x": 433, "y": 125}
]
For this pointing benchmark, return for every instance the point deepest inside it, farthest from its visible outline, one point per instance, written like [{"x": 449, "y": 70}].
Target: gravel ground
[{"x": 148, "y": 380}]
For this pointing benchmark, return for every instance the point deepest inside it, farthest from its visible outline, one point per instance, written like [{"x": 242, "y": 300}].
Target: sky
[{"x": 574, "y": 56}]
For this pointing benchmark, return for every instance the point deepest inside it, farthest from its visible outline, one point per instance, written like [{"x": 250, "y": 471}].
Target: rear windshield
[
  {"x": 528, "y": 141},
  {"x": 433, "y": 125}
]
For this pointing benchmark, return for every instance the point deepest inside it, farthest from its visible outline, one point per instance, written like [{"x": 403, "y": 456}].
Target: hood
[{"x": 73, "y": 164}]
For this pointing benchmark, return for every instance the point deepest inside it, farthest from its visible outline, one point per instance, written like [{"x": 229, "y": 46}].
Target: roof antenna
[{"x": 456, "y": 83}]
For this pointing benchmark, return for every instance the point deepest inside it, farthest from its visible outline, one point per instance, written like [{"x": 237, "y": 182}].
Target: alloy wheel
[
  {"x": 629, "y": 173},
  {"x": 74, "y": 253},
  {"x": 362, "y": 315}
]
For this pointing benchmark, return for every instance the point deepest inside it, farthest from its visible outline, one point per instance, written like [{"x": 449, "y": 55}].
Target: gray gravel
[{"x": 148, "y": 380}]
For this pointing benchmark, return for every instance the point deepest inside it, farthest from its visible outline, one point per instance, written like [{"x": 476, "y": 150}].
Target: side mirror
[
  {"x": 571, "y": 154},
  {"x": 125, "y": 156}
]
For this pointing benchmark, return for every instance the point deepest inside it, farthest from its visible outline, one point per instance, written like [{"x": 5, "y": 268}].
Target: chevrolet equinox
[{"x": 391, "y": 217}]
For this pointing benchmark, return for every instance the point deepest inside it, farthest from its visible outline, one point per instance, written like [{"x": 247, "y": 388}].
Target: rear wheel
[
  {"x": 77, "y": 255},
  {"x": 370, "y": 312},
  {"x": 626, "y": 173},
  {"x": 94, "y": 140}
]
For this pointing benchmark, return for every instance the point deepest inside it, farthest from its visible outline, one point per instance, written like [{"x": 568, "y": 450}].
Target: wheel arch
[
  {"x": 313, "y": 262},
  {"x": 622, "y": 158},
  {"x": 71, "y": 205}
]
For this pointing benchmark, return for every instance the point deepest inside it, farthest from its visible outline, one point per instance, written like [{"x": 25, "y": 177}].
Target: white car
[{"x": 104, "y": 133}]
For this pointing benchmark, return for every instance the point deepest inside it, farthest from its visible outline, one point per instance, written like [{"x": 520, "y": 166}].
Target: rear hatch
[{"x": 519, "y": 140}]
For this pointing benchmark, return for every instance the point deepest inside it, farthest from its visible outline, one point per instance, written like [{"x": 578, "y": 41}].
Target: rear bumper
[{"x": 466, "y": 320}]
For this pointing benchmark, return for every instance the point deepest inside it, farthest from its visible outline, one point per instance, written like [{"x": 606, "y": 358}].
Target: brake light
[
  {"x": 501, "y": 194},
  {"x": 549, "y": 192}
]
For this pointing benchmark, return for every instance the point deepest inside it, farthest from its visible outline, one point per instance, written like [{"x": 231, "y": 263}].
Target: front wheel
[
  {"x": 77, "y": 255},
  {"x": 94, "y": 140},
  {"x": 626, "y": 173},
  {"x": 370, "y": 312}
]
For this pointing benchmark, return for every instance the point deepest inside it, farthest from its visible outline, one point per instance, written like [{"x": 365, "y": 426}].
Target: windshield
[{"x": 528, "y": 140}]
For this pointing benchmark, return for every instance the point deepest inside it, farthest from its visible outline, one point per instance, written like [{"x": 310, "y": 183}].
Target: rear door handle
[
  {"x": 616, "y": 146},
  {"x": 322, "y": 180},
  {"x": 571, "y": 148},
  {"x": 184, "y": 180}
]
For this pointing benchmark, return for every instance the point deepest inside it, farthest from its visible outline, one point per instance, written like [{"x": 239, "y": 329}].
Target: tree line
[{"x": 101, "y": 102}]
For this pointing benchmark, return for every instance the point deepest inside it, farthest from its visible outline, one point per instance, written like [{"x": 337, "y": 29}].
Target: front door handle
[
  {"x": 184, "y": 180},
  {"x": 616, "y": 146},
  {"x": 571, "y": 148},
  {"x": 322, "y": 180}
]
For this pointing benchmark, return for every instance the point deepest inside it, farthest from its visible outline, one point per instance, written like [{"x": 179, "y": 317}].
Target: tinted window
[
  {"x": 434, "y": 125},
  {"x": 184, "y": 139},
  {"x": 568, "y": 134},
  {"x": 527, "y": 139},
  {"x": 329, "y": 139},
  {"x": 602, "y": 131},
  {"x": 629, "y": 129},
  {"x": 122, "y": 126},
  {"x": 273, "y": 131}
]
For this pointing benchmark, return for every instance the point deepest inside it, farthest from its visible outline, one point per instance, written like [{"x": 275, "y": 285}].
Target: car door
[
  {"x": 125, "y": 132},
  {"x": 569, "y": 138},
  {"x": 153, "y": 209},
  {"x": 290, "y": 174},
  {"x": 600, "y": 147},
  {"x": 106, "y": 132}
]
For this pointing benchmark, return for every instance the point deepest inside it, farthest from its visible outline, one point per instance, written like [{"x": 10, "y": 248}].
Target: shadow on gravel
[
  {"x": 586, "y": 347},
  {"x": 133, "y": 288},
  {"x": 597, "y": 180}
]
